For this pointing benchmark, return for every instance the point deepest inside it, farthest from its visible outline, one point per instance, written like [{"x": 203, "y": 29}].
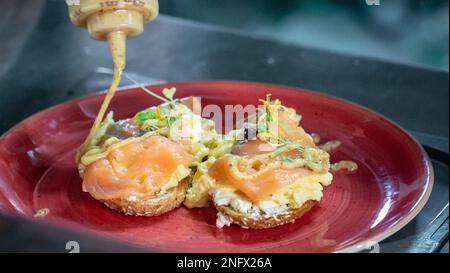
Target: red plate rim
[{"x": 420, "y": 203}]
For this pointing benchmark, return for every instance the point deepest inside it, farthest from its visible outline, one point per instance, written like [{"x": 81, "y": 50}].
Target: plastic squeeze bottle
[{"x": 113, "y": 21}]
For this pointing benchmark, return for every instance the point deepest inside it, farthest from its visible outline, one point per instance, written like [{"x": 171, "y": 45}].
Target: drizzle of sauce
[
  {"x": 330, "y": 145},
  {"x": 41, "y": 212},
  {"x": 348, "y": 165},
  {"x": 344, "y": 165},
  {"x": 316, "y": 138},
  {"x": 117, "y": 43}
]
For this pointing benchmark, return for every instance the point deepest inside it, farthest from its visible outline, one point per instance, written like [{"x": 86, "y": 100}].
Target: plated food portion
[
  {"x": 267, "y": 173},
  {"x": 40, "y": 180},
  {"x": 272, "y": 179},
  {"x": 141, "y": 165}
]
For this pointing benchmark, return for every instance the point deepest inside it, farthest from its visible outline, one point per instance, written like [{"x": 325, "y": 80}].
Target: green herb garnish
[
  {"x": 169, "y": 92},
  {"x": 169, "y": 120},
  {"x": 268, "y": 116},
  {"x": 145, "y": 115}
]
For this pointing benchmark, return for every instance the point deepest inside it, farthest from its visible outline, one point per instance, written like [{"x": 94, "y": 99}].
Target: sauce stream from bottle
[{"x": 117, "y": 43}]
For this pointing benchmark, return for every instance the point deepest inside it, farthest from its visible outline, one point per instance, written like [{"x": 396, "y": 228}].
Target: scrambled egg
[
  {"x": 292, "y": 196},
  {"x": 198, "y": 194}
]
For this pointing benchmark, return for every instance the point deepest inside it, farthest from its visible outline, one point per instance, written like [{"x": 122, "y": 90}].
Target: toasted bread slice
[
  {"x": 262, "y": 222},
  {"x": 153, "y": 205}
]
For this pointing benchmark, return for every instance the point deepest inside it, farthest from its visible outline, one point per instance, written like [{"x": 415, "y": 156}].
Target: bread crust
[
  {"x": 266, "y": 222},
  {"x": 148, "y": 206}
]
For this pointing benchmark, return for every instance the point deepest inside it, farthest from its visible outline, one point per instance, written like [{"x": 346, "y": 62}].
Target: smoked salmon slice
[
  {"x": 135, "y": 169},
  {"x": 263, "y": 185}
]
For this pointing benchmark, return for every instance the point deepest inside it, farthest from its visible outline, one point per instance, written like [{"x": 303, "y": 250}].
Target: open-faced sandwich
[
  {"x": 269, "y": 180},
  {"x": 265, "y": 174},
  {"x": 143, "y": 165}
]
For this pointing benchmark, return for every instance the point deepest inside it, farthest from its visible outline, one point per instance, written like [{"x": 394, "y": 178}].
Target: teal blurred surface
[{"x": 405, "y": 31}]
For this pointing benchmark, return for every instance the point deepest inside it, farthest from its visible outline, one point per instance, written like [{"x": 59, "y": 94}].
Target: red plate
[{"x": 394, "y": 179}]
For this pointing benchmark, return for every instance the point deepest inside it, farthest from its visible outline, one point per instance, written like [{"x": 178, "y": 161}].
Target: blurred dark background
[
  {"x": 412, "y": 32},
  {"x": 405, "y": 31}
]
